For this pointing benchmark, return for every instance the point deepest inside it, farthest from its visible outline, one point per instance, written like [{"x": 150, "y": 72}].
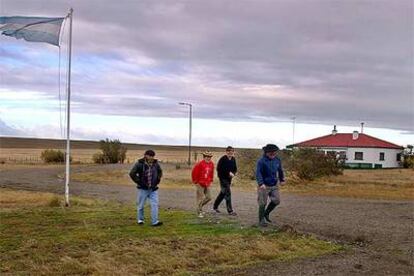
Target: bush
[
  {"x": 246, "y": 163},
  {"x": 112, "y": 152},
  {"x": 98, "y": 158},
  {"x": 309, "y": 164},
  {"x": 408, "y": 161},
  {"x": 53, "y": 156}
]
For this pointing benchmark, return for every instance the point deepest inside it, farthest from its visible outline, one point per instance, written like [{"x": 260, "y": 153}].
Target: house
[{"x": 359, "y": 150}]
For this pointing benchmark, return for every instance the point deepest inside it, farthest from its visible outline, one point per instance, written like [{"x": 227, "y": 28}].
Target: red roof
[{"x": 345, "y": 140}]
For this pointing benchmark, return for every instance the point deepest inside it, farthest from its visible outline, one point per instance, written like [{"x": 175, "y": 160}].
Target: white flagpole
[{"x": 68, "y": 114}]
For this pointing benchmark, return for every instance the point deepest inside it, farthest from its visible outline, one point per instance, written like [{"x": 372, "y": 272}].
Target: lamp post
[
  {"x": 293, "y": 129},
  {"x": 190, "y": 129}
]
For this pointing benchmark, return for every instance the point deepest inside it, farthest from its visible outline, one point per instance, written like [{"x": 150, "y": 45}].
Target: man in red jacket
[{"x": 202, "y": 176}]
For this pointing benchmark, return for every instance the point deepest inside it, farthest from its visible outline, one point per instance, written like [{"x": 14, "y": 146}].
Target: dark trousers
[{"x": 225, "y": 193}]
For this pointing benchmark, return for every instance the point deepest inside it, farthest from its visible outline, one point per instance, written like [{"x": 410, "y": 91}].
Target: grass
[
  {"x": 390, "y": 184},
  {"x": 38, "y": 236}
]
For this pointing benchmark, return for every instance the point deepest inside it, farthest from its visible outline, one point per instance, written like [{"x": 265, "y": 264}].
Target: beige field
[
  {"x": 391, "y": 184},
  {"x": 32, "y": 155},
  {"x": 394, "y": 184}
]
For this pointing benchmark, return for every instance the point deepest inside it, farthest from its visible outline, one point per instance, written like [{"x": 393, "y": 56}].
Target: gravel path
[{"x": 381, "y": 232}]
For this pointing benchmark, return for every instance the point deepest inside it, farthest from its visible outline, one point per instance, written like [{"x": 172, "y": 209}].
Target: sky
[{"x": 248, "y": 68}]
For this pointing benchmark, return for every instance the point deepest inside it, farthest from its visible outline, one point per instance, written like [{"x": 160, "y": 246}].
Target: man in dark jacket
[
  {"x": 269, "y": 174},
  {"x": 226, "y": 170},
  {"x": 147, "y": 174}
]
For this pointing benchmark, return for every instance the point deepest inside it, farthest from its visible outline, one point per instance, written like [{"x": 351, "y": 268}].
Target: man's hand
[
  {"x": 231, "y": 174},
  {"x": 282, "y": 183},
  {"x": 263, "y": 186}
]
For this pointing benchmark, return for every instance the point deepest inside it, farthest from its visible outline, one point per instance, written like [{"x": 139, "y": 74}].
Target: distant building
[{"x": 357, "y": 149}]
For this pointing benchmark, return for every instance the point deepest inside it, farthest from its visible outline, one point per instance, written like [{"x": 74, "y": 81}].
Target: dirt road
[{"x": 381, "y": 233}]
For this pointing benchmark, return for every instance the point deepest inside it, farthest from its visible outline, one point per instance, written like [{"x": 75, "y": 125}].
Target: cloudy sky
[{"x": 248, "y": 67}]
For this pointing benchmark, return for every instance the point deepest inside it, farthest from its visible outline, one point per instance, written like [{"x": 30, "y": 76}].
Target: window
[
  {"x": 398, "y": 157},
  {"x": 382, "y": 156},
  {"x": 359, "y": 155}
]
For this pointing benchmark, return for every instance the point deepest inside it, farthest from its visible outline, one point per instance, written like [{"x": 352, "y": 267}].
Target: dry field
[
  {"x": 391, "y": 184},
  {"x": 27, "y": 151},
  {"x": 396, "y": 184},
  {"x": 84, "y": 156}
]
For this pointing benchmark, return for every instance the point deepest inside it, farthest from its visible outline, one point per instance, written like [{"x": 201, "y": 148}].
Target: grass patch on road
[{"x": 96, "y": 237}]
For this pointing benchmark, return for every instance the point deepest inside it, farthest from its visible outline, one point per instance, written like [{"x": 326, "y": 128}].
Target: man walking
[
  {"x": 269, "y": 174},
  {"x": 147, "y": 174},
  {"x": 226, "y": 170},
  {"x": 202, "y": 175}
]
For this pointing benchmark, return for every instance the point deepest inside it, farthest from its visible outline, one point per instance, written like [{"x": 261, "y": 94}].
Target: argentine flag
[{"x": 36, "y": 29}]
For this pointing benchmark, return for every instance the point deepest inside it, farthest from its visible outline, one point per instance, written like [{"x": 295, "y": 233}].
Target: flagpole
[{"x": 67, "y": 175}]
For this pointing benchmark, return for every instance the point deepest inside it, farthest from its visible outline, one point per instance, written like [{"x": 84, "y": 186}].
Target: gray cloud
[{"x": 326, "y": 62}]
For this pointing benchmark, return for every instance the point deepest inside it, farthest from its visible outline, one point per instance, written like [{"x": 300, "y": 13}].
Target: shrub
[
  {"x": 246, "y": 163},
  {"x": 98, "y": 158},
  {"x": 309, "y": 164},
  {"x": 408, "y": 161},
  {"x": 53, "y": 156},
  {"x": 112, "y": 152}
]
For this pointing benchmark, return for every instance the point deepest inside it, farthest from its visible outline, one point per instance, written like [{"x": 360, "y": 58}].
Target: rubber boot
[
  {"x": 269, "y": 209},
  {"x": 262, "y": 211}
]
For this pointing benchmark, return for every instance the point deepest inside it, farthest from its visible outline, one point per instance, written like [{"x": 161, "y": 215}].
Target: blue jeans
[{"x": 142, "y": 196}]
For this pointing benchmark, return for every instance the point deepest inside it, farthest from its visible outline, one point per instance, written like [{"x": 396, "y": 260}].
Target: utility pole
[{"x": 190, "y": 117}]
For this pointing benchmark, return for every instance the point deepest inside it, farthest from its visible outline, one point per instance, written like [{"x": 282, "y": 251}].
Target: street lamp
[
  {"x": 293, "y": 129},
  {"x": 190, "y": 129}
]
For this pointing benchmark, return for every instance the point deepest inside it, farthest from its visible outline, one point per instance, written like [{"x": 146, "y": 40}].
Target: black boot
[
  {"x": 262, "y": 221},
  {"x": 269, "y": 209}
]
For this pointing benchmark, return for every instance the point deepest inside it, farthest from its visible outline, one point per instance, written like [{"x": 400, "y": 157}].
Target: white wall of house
[
  {"x": 372, "y": 155},
  {"x": 369, "y": 155}
]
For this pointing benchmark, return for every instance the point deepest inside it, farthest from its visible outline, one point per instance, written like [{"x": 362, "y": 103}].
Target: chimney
[
  {"x": 334, "y": 131},
  {"x": 362, "y": 127},
  {"x": 355, "y": 135}
]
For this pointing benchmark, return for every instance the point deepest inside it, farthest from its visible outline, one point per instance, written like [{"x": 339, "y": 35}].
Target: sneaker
[
  {"x": 159, "y": 223},
  {"x": 267, "y": 218},
  {"x": 216, "y": 210},
  {"x": 200, "y": 215},
  {"x": 140, "y": 222},
  {"x": 232, "y": 214}
]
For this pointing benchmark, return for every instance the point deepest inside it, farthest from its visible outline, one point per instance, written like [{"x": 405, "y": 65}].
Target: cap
[{"x": 207, "y": 154}]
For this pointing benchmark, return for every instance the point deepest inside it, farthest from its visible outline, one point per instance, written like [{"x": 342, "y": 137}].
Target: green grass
[{"x": 93, "y": 237}]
